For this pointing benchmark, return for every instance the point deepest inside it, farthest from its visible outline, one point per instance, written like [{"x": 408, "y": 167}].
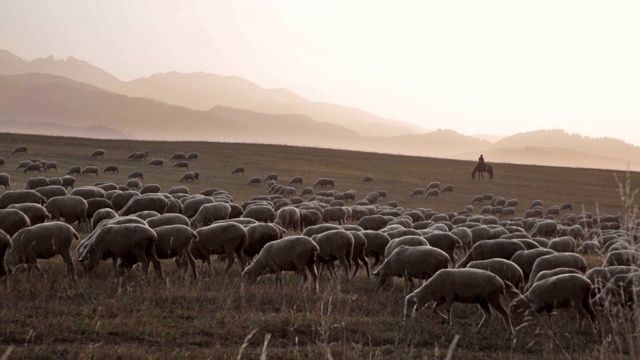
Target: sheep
[
  {"x": 258, "y": 235},
  {"x": 68, "y": 181},
  {"x": 545, "y": 229},
  {"x": 337, "y": 214},
  {"x": 1, "y": 162},
  {"x": 308, "y": 191},
  {"x": 224, "y": 238},
  {"x": 178, "y": 156},
  {"x": 150, "y": 189},
  {"x": 138, "y": 155},
  {"x": 166, "y": 220},
  {"x": 409, "y": 240},
  {"x": 289, "y": 218},
  {"x": 554, "y": 261},
  {"x": 102, "y": 214},
  {"x": 543, "y": 275},
  {"x": 445, "y": 242},
  {"x": 461, "y": 285},
  {"x": 174, "y": 241},
  {"x": 432, "y": 193},
  {"x": 74, "y": 170},
  {"x": 324, "y": 182},
  {"x": 376, "y": 244},
  {"x": 19, "y": 197},
  {"x": 113, "y": 169},
  {"x": 23, "y": 164},
  {"x": 148, "y": 202},
  {"x": 260, "y": 213},
  {"x": 566, "y": 206},
  {"x": 504, "y": 269},
  {"x": 88, "y": 192},
  {"x": 136, "y": 175},
  {"x": 36, "y": 214},
  {"x": 5, "y": 246},
  {"x": 97, "y": 153},
  {"x": 335, "y": 245},
  {"x": 51, "y": 191},
  {"x": 254, "y": 181},
  {"x": 600, "y": 276},
  {"x": 562, "y": 291},
  {"x": 5, "y": 180},
  {"x": 178, "y": 190},
  {"x": 120, "y": 199},
  {"x": 447, "y": 188},
  {"x": 133, "y": 184},
  {"x": 409, "y": 262},
  {"x": 190, "y": 176},
  {"x": 359, "y": 251},
  {"x": 526, "y": 258},
  {"x": 33, "y": 167},
  {"x": 622, "y": 290},
  {"x": 193, "y": 156},
  {"x": 72, "y": 208},
  {"x": 238, "y": 170},
  {"x": 95, "y": 204},
  {"x": 90, "y": 170},
  {"x": 373, "y": 222},
  {"x": 296, "y": 180},
  {"x": 209, "y": 213},
  {"x": 156, "y": 162},
  {"x": 23, "y": 149},
  {"x": 36, "y": 182},
  {"x": 294, "y": 253},
  {"x": 43, "y": 241},
  {"x": 490, "y": 249},
  {"x": 13, "y": 220},
  {"x": 622, "y": 258},
  {"x": 50, "y": 165},
  {"x": 563, "y": 244},
  {"x": 589, "y": 248},
  {"x": 367, "y": 179},
  {"x": 125, "y": 242}
]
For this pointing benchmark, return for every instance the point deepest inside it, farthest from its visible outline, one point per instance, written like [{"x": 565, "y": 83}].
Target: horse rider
[{"x": 481, "y": 160}]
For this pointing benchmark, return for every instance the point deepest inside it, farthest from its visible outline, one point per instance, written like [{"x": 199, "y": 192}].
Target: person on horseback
[{"x": 481, "y": 160}]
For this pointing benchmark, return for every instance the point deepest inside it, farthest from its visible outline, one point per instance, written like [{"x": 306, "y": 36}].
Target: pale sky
[{"x": 491, "y": 67}]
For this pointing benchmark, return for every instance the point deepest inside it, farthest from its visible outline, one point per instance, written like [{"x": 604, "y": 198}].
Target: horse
[{"x": 480, "y": 169}]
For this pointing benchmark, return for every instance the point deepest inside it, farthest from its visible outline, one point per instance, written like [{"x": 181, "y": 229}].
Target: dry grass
[{"x": 219, "y": 317}]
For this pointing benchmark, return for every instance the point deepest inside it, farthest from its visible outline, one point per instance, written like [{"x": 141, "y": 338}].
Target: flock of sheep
[{"x": 536, "y": 261}]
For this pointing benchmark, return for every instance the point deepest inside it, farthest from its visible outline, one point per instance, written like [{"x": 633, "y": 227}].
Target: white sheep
[
  {"x": 562, "y": 291},
  {"x": 465, "y": 286},
  {"x": 294, "y": 253},
  {"x": 554, "y": 261},
  {"x": 409, "y": 262}
]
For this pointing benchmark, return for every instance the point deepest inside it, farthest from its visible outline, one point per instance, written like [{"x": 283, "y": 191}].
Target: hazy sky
[{"x": 493, "y": 67}]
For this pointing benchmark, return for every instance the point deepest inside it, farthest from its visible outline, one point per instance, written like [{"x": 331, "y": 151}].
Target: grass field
[{"x": 220, "y": 317}]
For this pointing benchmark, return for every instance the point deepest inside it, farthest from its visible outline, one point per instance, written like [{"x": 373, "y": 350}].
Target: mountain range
[{"x": 72, "y": 97}]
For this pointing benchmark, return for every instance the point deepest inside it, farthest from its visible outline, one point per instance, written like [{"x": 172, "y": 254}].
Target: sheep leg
[
  {"x": 585, "y": 307},
  {"x": 241, "y": 259},
  {"x": 366, "y": 264},
  {"x": 304, "y": 277},
  {"x": 70, "y": 269},
  {"x": 376, "y": 260},
  {"x": 486, "y": 316},
  {"x": 230, "y": 260},
  {"x": 506, "y": 319},
  {"x": 356, "y": 265},
  {"x": 142, "y": 258},
  {"x": 347, "y": 266},
  {"x": 435, "y": 308},
  {"x": 156, "y": 263},
  {"x": 192, "y": 263}
]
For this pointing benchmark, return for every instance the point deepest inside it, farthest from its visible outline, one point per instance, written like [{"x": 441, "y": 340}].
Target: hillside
[{"x": 203, "y": 91}]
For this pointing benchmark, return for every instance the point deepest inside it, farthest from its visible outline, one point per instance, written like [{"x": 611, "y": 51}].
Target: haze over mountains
[{"x": 72, "y": 97}]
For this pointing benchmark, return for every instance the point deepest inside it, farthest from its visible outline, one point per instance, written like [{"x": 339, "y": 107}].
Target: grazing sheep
[
  {"x": 210, "y": 213},
  {"x": 296, "y": 180},
  {"x": 254, "y": 181},
  {"x": 125, "y": 242},
  {"x": 36, "y": 182},
  {"x": 19, "y": 197},
  {"x": 308, "y": 191},
  {"x": 554, "y": 261},
  {"x": 409, "y": 262},
  {"x": 417, "y": 192},
  {"x": 136, "y": 175},
  {"x": 337, "y": 214},
  {"x": 289, "y": 218},
  {"x": 13, "y": 220},
  {"x": 23, "y": 164},
  {"x": 102, "y": 214},
  {"x": 166, "y": 220},
  {"x": 445, "y": 242},
  {"x": 504, "y": 269},
  {"x": 225, "y": 238},
  {"x": 95, "y": 204},
  {"x": 20, "y": 150},
  {"x": 260, "y": 213},
  {"x": 589, "y": 248},
  {"x": 36, "y": 214},
  {"x": 51, "y": 191},
  {"x": 50, "y": 165},
  {"x": 68, "y": 181},
  {"x": 97, "y": 153},
  {"x": 409, "y": 240},
  {"x": 33, "y": 167},
  {"x": 376, "y": 244},
  {"x": 447, "y": 188},
  {"x": 72, "y": 208},
  {"x": 238, "y": 170},
  {"x": 600, "y": 276},
  {"x": 461, "y": 285},
  {"x": 174, "y": 241},
  {"x": 373, "y": 222},
  {"x": 178, "y": 156},
  {"x": 432, "y": 193},
  {"x": 193, "y": 156},
  {"x": 622, "y": 290},
  {"x": 5, "y": 180},
  {"x": 566, "y": 206},
  {"x": 88, "y": 192},
  {"x": 622, "y": 258},
  {"x": 563, "y": 244},
  {"x": 258, "y": 235},
  {"x": 43, "y": 241},
  {"x": 148, "y": 202},
  {"x": 359, "y": 251},
  {"x": 526, "y": 258},
  {"x": 367, "y": 179},
  {"x": 156, "y": 162},
  {"x": 150, "y": 189},
  {"x": 113, "y": 169},
  {"x": 90, "y": 170},
  {"x": 545, "y": 229},
  {"x": 74, "y": 170},
  {"x": 272, "y": 176},
  {"x": 190, "y": 176},
  {"x": 562, "y": 291},
  {"x": 133, "y": 184},
  {"x": 181, "y": 164},
  {"x": 335, "y": 245},
  {"x": 139, "y": 155},
  {"x": 178, "y": 190},
  {"x": 324, "y": 182},
  {"x": 490, "y": 249},
  {"x": 294, "y": 253}
]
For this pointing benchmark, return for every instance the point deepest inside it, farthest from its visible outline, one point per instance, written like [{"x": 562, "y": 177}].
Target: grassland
[{"x": 219, "y": 317}]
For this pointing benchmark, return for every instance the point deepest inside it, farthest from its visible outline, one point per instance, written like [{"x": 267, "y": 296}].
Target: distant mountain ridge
[{"x": 60, "y": 104}]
